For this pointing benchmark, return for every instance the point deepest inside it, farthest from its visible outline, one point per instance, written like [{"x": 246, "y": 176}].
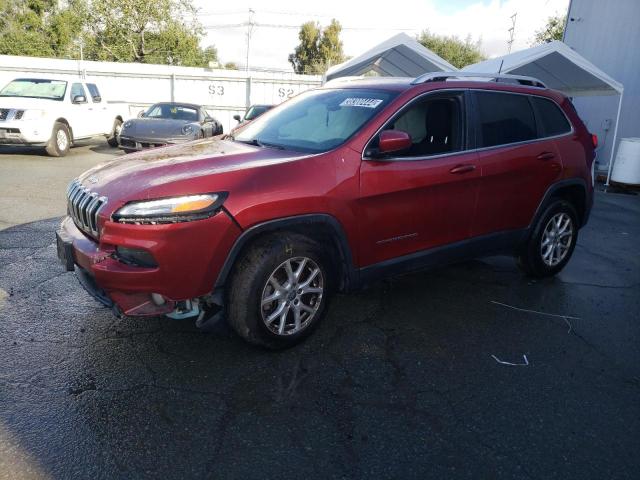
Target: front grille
[
  {"x": 18, "y": 115},
  {"x": 83, "y": 206},
  {"x": 4, "y": 113}
]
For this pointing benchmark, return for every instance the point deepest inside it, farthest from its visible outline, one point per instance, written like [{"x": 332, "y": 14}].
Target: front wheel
[
  {"x": 60, "y": 141},
  {"x": 114, "y": 139},
  {"x": 279, "y": 291},
  {"x": 552, "y": 241}
]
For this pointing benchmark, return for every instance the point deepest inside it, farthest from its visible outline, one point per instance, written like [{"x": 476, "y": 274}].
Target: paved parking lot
[
  {"x": 32, "y": 184},
  {"x": 400, "y": 381}
]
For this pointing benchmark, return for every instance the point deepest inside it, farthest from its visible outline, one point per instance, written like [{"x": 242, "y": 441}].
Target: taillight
[{"x": 594, "y": 140}]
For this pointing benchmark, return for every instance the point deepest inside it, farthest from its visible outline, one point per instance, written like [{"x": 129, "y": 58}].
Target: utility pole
[
  {"x": 512, "y": 30},
  {"x": 250, "y": 26}
]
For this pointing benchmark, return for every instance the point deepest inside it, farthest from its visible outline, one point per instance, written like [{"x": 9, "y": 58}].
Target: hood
[
  {"x": 25, "y": 103},
  {"x": 178, "y": 169},
  {"x": 154, "y": 127}
]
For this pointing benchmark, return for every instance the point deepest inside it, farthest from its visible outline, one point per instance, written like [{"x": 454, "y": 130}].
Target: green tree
[
  {"x": 553, "y": 30},
  {"x": 318, "y": 48},
  {"x": 457, "y": 52},
  {"x": 42, "y": 28},
  {"x": 145, "y": 31}
]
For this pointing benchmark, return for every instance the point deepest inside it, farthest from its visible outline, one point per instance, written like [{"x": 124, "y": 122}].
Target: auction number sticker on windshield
[{"x": 361, "y": 102}]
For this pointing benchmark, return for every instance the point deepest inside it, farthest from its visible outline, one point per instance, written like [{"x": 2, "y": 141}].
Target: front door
[{"x": 424, "y": 197}]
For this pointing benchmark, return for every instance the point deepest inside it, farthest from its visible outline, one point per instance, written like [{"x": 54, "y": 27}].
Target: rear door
[
  {"x": 518, "y": 164},
  {"x": 98, "y": 106},
  {"x": 424, "y": 197},
  {"x": 81, "y": 117}
]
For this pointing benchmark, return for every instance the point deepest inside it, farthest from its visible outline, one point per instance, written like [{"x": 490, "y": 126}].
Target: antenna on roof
[{"x": 500, "y": 69}]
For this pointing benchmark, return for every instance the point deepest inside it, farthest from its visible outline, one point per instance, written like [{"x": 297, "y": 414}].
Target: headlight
[
  {"x": 187, "y": 130},
  {"x": 127, "y": 124},
  {"x": 33, "y": 114},
  {"x": 171, "y": 210}
]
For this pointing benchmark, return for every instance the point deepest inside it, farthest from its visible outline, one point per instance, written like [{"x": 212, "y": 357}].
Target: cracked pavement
[{"x": 398, "y": 381}]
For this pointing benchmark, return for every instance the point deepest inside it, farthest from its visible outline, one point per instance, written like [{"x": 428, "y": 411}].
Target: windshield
[
  {"x": 256, "y": 111},
  {"x": 35, "y": 88},
  {"x": 172, "y": 112},
  {"x": 316, "y": 120}
]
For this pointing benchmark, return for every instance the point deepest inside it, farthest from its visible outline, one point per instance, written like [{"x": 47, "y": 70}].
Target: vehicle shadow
[{"x": 22, "y": 150}]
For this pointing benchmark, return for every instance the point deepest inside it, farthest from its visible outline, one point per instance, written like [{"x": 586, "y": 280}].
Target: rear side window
[
  {"x": 504, "y": 118},
  {"x": 94, "y": 92},
  {"x": 551, "y": 118},
  {"x": 78, "y": 90}
]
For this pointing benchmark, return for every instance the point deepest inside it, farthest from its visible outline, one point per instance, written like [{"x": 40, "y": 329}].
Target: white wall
[{"x": 224, "y": 92}]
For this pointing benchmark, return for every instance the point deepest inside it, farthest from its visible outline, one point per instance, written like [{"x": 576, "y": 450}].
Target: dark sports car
[{"x": 166, "y": 124}]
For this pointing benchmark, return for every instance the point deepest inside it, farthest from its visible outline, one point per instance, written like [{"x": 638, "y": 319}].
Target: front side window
[
  {"x": 504, "y": 118},
  {"x": 76, "y": 90},
  {"x": 434, "y": 124},
  {"x": 553, "y": 121},
  {"x": 35, "y": 88},
  {"x": 316, "y": 120},
  {"x": 94, "y": 92}
]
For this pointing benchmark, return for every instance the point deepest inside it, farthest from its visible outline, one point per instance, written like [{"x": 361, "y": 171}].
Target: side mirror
[
  {"x": 141, "y": 114},
  {"x": 393, "y": 141},
  {"x": 79, "y": 99},
  {"x": 237, "y": 118}
]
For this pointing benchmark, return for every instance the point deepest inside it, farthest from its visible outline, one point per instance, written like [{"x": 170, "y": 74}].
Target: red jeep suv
[{"x": 333, "y": 189}]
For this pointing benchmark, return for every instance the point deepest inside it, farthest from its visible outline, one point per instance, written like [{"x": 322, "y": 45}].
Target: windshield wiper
[{"x": 261, "y": 144}]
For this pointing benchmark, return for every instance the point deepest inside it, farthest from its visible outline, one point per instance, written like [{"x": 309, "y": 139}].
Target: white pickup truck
[{"x": 54, "y": 113}]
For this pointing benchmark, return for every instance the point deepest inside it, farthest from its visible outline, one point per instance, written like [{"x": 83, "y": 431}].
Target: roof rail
[{"x": 491, "y": 77}]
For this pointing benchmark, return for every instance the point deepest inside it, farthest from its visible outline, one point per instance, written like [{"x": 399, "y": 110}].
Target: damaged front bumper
[{"x": 188, "y": 259}]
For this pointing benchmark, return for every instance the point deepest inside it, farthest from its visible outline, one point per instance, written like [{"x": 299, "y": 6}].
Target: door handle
[
  {"x": 462, "y": 169},
  {"x": 546, "y": 156}
]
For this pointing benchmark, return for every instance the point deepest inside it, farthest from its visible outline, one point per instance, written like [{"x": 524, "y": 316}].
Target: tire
[
  {"x": 114, "y": 139},
  {"x": 251, "y": 283},
  {"x": 538, "y": 260},
  {"x": 60, "y": 141}
]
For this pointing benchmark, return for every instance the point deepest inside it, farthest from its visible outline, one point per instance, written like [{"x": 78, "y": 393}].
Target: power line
[{"x": 289, "y": 26}]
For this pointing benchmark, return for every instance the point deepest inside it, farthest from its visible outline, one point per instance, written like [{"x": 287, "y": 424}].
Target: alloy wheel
[
  {"x": 62, "y": 140},
  {"x": 292, "y": 296},
  {"x": 556, "y": 239}
]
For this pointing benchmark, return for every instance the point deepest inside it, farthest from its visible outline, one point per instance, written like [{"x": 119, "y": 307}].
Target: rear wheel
[
  {"x": 60, "y": 141},
  {"x": 114, "y": 139},
  {"x": 279, "y": 291},
  {"x": 552, "y": 242}
]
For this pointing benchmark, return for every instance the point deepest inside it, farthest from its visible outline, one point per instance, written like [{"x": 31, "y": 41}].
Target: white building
[{"x": 608, "y": 34}]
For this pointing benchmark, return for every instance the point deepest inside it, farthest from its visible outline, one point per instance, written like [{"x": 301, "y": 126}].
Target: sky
[{"x": 366, "y": 24}]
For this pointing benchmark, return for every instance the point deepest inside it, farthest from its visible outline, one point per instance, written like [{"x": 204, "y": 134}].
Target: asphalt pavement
[
  {"x": 32, "y": 184},
  {"x": 400, "y": 381}
]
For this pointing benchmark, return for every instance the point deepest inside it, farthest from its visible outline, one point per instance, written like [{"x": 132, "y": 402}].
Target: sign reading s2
[{"x": 285, "y": 92}]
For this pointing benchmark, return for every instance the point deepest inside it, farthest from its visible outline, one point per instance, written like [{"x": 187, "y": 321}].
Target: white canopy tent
[
  {"x": 399, "y": 56},
  {"x": 560, "y": 68}
]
